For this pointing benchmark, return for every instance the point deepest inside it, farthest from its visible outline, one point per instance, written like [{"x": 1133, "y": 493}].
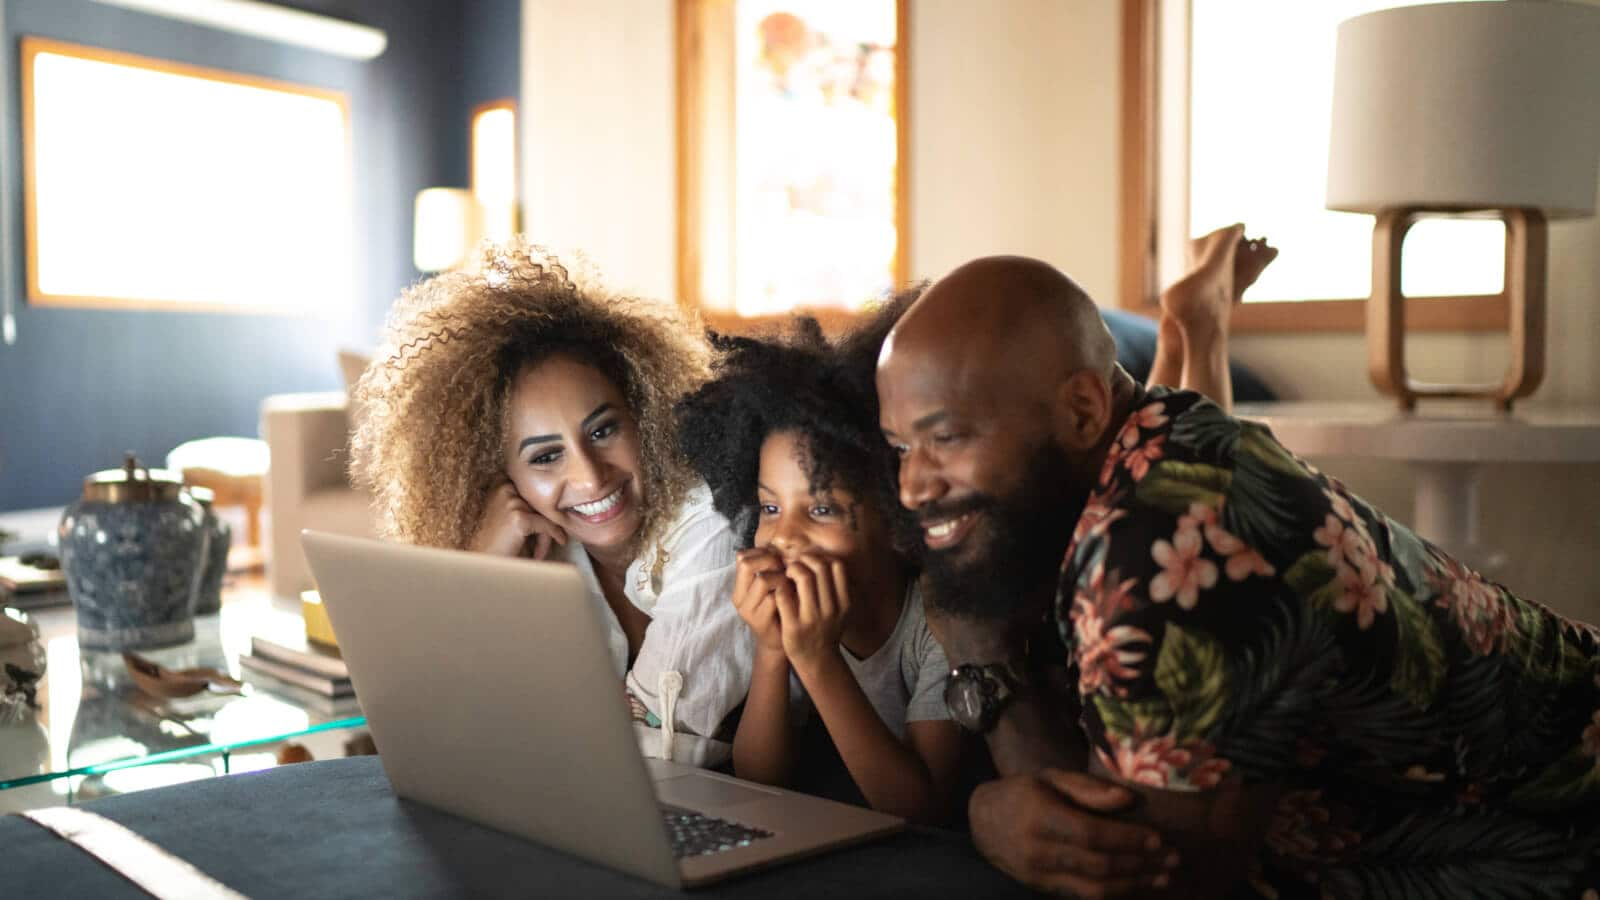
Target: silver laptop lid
[{"x": 459, "y": 660}]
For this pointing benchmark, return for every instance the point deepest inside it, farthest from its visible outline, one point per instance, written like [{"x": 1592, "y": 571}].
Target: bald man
[{"x": 1200, "y": 664}]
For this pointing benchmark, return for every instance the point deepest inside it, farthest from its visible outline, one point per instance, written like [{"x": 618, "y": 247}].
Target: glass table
[{"x": 94, "y": 733}]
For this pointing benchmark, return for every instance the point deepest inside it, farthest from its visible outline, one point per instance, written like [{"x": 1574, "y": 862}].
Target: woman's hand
[
  {"x": 813, "y": 612},
  {"x": 510, "y": 527},
  {"x": 758, "y": 579}
]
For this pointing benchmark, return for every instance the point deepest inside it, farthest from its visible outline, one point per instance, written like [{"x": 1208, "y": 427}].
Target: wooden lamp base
[{"x": 1525, "y": 293}]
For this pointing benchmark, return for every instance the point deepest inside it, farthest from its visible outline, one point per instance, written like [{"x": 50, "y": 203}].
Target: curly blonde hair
[{"x": 432, "y": 409}]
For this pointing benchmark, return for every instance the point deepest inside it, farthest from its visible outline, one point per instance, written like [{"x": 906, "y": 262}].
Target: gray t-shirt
[{"x": 904, "y": 680}]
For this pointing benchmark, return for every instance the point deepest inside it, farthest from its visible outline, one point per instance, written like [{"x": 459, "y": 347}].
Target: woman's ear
[{"x": 1083, "y": 410}]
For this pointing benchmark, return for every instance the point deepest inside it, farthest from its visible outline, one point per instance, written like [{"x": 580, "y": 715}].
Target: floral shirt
[{"x": 1235, "y": 614}]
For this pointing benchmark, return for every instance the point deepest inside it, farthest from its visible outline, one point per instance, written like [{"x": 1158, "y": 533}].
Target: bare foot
[
  {"x": 1202, "y": 298},
  {"x": 1249, "y": 261}
]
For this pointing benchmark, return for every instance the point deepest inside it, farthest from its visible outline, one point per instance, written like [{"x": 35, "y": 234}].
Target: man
[{"x": 1268, "y": 683}]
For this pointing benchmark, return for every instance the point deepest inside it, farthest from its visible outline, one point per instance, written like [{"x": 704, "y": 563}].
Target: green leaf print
[
  {"x": 1419, "y": 666},
  {"x": 1192, "y": 672},
  {"x": 1571, "y": 781},
  {"x": 1172, "y": 486},
  {"x": 1127, "y": 719},
  {"x": 1309, "y": 574},
  {"x": 1548, "y": 654},
  {"x": 1207, "y": 430},
  {"x": 1411, "y": 560},
  {"x": 1256, "y": 442}
]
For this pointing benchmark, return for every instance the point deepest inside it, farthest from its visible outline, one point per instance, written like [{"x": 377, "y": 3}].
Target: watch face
[{"x": 966, "y": 703}]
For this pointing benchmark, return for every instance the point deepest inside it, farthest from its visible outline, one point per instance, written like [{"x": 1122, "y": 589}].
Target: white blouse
[{"x": 684, "y": 583}]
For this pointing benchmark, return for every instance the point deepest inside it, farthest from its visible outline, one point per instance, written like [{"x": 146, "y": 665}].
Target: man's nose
[{"x": 920, "y": 480}]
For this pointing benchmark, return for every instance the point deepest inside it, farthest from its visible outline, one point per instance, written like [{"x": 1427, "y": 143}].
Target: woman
[{"x": 515, "y": 409}]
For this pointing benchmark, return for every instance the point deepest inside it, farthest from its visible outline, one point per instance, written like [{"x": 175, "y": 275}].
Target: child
[{"x": 787, "y": 438}]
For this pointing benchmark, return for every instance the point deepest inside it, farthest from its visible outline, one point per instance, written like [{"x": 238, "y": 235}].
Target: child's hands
[
  {"x": 813, "y": 615},
  {"x": 510, "y": 527},
  {"x": 756, "y": 584}
]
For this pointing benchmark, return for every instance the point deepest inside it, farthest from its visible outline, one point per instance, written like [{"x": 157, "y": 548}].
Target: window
[
  {"x": 157, "y": 185},
  {"x": 1227, "y": 120},
  {"x": 791, "y": 153}
]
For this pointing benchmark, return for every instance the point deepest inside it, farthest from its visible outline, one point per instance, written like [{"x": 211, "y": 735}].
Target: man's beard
[{"x": 1025, "y": 535}]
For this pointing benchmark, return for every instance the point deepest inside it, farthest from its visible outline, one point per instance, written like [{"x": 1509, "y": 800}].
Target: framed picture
[{"x": 792, "y": 135}]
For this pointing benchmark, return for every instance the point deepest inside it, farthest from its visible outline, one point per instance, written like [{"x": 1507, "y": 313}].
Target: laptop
[{"x": 491, "y": 695}]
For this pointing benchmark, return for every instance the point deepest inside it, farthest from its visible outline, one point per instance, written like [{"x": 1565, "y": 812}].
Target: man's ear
[{"x": 1083, "y": 410}]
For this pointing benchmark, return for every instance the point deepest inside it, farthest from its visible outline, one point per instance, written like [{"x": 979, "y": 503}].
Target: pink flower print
[
  {"x": 1476, "y": 605},
  {"x": 1113, "y": 460},
  {"x": 1199, "y": 515},
  {"x": 1108, "y": 603},
  {"x": 1138, "y": 459},
  {"x": 1152, "y": 416},
  {"x": 1591, "y": 738},
  {"x": 1362, "y": 595},
  {"x": 1207, "y": 773},
  {"x": 1242, "y": 560},
  {"x": 1097, "y": 516},
  {"x": 1106, "y": 658},
  {"x": 1159, "y": 762},
  {"x": 1330, "y": 535},
  {"x": 1183, "y": 572},
  {"x": 1341, "y": 506}
]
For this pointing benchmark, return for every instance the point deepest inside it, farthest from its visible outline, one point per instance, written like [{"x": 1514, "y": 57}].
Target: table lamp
[
  {"x": 448, "y": 226},
  {"x": 1474, "y": 108}
]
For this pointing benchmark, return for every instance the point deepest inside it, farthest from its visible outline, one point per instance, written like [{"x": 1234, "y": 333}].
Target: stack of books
[
  {"x": 309, "y": 667},
  {"x": 32, "y": 582}
]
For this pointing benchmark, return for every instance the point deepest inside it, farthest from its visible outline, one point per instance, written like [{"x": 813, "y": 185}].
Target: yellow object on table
[{"x": 318, "y": 628}]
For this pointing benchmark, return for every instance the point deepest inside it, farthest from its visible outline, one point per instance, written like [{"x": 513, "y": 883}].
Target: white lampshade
[
  {"x": 448, "y": 226},
  {"x": 1467, "y": 106}
]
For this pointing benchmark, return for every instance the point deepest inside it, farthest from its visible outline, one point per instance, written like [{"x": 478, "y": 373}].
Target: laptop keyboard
[{"x": 695, "y": 834}]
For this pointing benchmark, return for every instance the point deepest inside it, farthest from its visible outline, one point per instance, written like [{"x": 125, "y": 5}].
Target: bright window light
[
  {"x": 163, "y": 186},
  {"x": 1261, "y": 87},
  {"x": 816, "y": 152}
]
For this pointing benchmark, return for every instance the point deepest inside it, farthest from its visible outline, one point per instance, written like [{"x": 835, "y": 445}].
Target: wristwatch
[{"x": 975, "y": 695}]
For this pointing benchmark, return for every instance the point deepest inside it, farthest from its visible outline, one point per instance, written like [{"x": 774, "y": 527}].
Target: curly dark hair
[
  {"x": 432, "y": 408},
  {"x": 798, "y": 382}
]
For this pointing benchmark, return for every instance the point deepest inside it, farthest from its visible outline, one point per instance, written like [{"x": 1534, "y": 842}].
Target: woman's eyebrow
[{"x": 546, "y": 438}]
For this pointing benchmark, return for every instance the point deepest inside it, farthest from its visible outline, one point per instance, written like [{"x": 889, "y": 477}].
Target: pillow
[
  {"x": 1136, "y": 351},
  {"x": 351, "y": 366}
]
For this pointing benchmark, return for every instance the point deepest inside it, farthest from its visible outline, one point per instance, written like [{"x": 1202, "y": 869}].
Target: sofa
[{"x": 307, "y": 483}]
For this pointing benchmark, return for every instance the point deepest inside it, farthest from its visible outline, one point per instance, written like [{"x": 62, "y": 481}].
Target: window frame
[
  {"x": 1140, "y": 204},
  {"x": 703, "y": 53}
]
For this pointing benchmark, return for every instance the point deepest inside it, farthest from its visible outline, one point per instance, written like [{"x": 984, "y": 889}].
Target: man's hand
[
  {"x": 756, "y": 582},
  {"x": 1052, "y": 831},
  {"x": 813, "y": 614},
  {"x": 510, "y": 527}
]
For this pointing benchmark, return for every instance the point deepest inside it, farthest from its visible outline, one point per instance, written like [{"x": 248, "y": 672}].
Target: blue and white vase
[
  {"x": 219, "y": 538},
  {"x": 133, "y": 549}
]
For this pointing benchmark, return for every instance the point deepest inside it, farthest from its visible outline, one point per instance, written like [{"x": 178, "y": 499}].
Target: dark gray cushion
[{"x": 335, "y": 829}]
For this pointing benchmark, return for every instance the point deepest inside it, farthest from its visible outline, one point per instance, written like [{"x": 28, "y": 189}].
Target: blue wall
[{"x": 81, "y": 386}]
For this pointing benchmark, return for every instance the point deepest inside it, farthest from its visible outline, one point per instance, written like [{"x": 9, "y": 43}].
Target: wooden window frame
[
  {"x": 695, "y": 36},
  {"x": 1138, "y": 149}
]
